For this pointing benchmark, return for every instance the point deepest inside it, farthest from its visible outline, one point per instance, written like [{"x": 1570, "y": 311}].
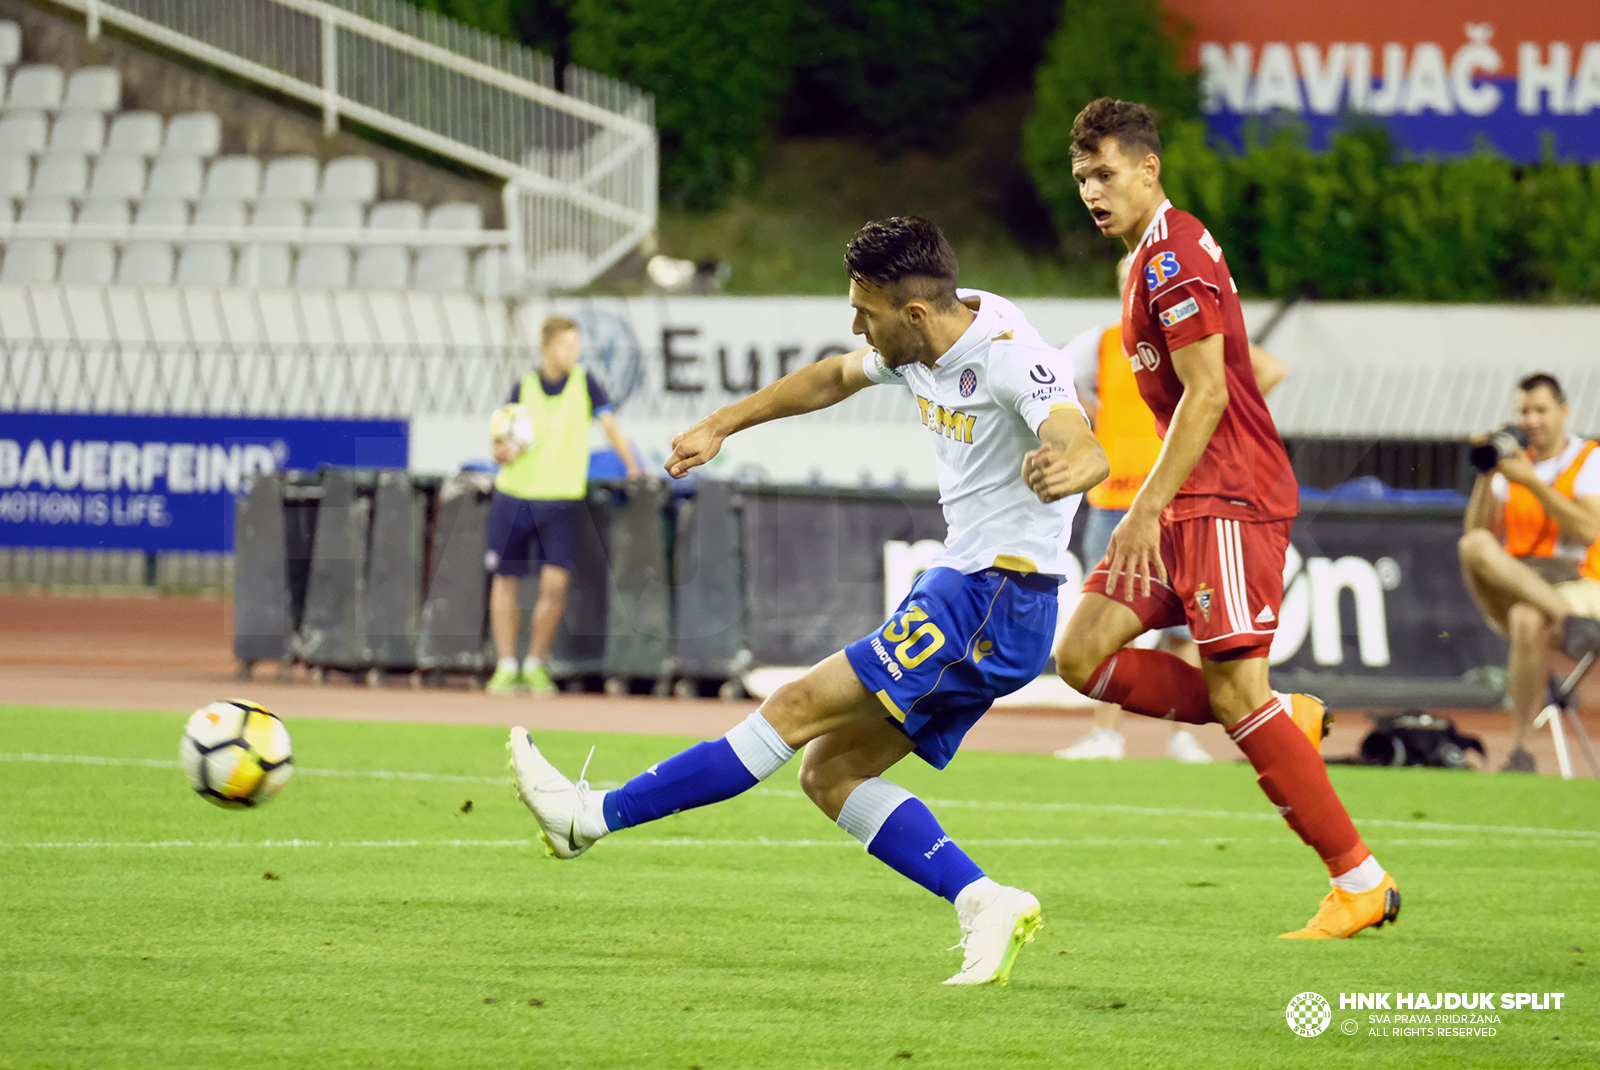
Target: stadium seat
[
  {"x": 264, "y": 265},
  {"x": 193, "y": 133},
  {"x": 104, "y": 212},
  {"x": 95, "y": 89},
  {"x": 279, "y": 213},
  {"x": 220, "y": 212},
  {"x": 236, "y": 177},
  {"x": 204, "y": 264},
  {"x": 382, "y": 267},
  {"x": 175, "y": 177},
  {"x": 78, "y": 131},
  {"x": 24, "y": 131},
  {"x": 350, "y": 178},
  {"x": 455, "y": 215},
  {"x": 323, "y": 267},
  {"x": 16, "y": 177},
  {"x": 145, "y": 263},
  {"x": 396, "y": 215},
  {"x": 440, "y": 268},
  {"x": 29, "y": 260},
  {"x": 291, "y": 178},
  {"x": 492, "y": 273},
  {"x": 10, "y": 45},
  {"x": 88, "y": 263},
  {"x": 136, "y": 132},
  {"x": 343, "y": 215},
  {"x": 36, "y": 86},
  {"x": 161, "y": 212},
  {"x": 43, "y": 208},
  {"x": 117, "y": 174},
  {"x": 62, "y": 175}
]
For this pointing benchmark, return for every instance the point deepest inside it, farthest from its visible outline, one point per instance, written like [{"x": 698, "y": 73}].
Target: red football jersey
[{"x": 1179, "y": 292}]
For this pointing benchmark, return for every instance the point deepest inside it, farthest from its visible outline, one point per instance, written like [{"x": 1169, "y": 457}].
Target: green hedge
[{"x": 1358, "y": 220}]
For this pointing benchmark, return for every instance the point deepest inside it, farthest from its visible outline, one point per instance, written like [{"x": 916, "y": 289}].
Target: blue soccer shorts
[
  {"x": 957, "y": 643},
  {"x": 523, "y": 532}
]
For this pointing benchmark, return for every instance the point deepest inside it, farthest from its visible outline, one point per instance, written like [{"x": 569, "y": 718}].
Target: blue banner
[{"x": 76, "y": 480}]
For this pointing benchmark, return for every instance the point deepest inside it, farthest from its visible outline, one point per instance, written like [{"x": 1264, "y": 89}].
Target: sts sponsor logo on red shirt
[{"x": 1162, "y": 269}]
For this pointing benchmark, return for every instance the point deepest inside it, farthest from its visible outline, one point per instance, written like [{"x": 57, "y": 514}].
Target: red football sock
[
  {"x": 1292, "y": 775},
  {"x": 1153, "y": 683}
]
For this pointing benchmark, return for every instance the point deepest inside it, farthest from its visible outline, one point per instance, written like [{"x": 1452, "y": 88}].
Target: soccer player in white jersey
[{"x": 997, "y": 402}]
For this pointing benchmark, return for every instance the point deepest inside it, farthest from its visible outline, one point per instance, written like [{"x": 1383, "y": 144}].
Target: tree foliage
[
  {"x": 1123, "y": 50},
  {"x": 495, "y": 16},
  {"x": 718, "y": 69},
  {"x": 900, "y": 73}
]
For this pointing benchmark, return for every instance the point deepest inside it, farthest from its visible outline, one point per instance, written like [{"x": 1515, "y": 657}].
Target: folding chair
[{"x": 1564, "y": 702}]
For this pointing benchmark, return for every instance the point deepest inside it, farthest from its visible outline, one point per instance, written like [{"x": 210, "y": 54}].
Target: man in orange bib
[{"x": 1531, "y": 552}]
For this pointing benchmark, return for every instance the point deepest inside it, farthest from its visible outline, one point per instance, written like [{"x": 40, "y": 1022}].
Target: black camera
[{"x": 1502, "y": 444}]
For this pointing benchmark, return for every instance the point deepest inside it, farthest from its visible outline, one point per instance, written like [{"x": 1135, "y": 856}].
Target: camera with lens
[{"x": 1502, "y": 444}]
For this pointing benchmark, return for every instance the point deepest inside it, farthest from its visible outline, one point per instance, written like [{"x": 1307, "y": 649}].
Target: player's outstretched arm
[
  {"x": 1071, "y": 459},
  {"x": 816, "y": 386}
]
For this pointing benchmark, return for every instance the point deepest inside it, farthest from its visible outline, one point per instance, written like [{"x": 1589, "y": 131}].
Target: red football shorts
[{"x": 1224, "y": 579}]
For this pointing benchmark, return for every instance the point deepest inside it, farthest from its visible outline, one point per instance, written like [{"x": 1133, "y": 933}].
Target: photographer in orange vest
[
  {"x": 1531, "y": 552},
  {"x": 1126, "y": 429}
]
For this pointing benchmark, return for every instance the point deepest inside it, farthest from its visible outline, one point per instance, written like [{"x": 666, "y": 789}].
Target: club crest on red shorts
[{"x": 1202, "y": 598}]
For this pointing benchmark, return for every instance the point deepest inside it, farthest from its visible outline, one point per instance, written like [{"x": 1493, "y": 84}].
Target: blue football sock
[
  {"x": 705, "y": 773},
  {"x": 901, "y": 832}
]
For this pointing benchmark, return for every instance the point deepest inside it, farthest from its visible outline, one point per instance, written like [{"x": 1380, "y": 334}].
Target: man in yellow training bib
[{"x": 537, "y": 496}]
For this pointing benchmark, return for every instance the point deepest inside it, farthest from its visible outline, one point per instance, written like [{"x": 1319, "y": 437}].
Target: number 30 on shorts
[{"x": 899, "y": 631}]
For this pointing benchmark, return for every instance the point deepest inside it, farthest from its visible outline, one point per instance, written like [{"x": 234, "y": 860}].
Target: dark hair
[
  {"x": 907, "y": 255},
  {"x": 1544, "y": 379},
  {"x": 1132, "y": 125}
]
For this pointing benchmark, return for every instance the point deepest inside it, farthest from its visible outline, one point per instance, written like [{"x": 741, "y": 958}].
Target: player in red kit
[{"x": 1204, "y": 540}]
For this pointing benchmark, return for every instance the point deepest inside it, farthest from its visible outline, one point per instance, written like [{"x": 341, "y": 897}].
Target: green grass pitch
[{"x": 403, "y": 929}]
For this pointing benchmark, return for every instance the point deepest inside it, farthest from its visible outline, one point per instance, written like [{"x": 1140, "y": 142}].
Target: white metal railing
[
  {"x": 580, "y": 166},
  {"x": 247, "y": 235},
  {"x": 305, "y": 379},
  {"x": 497, "y": 278}
]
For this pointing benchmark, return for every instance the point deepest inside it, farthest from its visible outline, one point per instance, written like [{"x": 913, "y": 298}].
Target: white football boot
[
  {"x": 1183, "y": 747},
  {"x": 1100, "y": 743},
  {"x": 995, "y": 922},
  {"x": 556, "y": 802}
]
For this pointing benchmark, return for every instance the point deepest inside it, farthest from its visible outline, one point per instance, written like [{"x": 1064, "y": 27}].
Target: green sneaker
[
  {"x": 506, "y": 682},
  {"x": 538, "y": 681}
]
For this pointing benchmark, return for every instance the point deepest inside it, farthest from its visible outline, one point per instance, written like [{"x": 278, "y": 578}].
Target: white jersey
[{"x": 983, "y": 402}]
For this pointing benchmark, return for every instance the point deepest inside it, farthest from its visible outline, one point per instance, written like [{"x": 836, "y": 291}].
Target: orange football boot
[
  {"x": 1312, "y": 716},
  {"x": 1345, "y": 913}
]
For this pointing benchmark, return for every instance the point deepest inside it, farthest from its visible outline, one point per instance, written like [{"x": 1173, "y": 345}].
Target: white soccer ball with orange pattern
[{"x": 236, "y": 754}]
